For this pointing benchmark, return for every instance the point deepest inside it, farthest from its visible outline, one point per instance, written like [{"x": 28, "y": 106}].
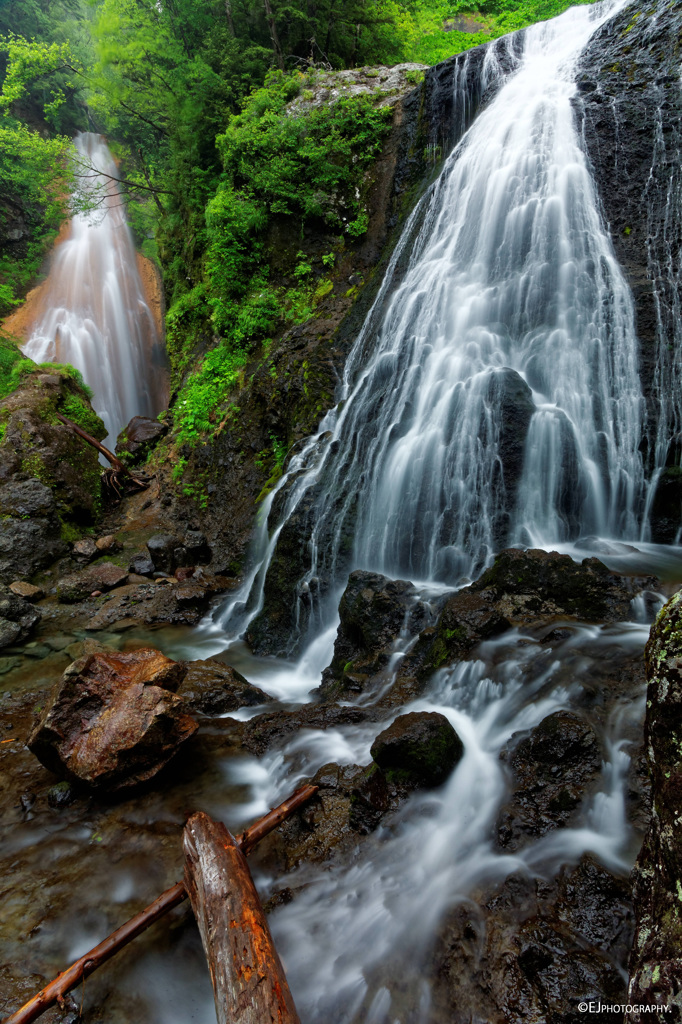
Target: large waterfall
[
  {"x": 94, "y": 312},
  {"x": 493, "y": 396}
]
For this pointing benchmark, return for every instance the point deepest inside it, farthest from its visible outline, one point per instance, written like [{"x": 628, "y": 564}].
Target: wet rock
[
  {"x": 553, "y": 770},
  {"x": 162, "y": 548},
  {"x": 152, "y": 602},
  {"x": 213, "y": 688},
  {"x": 30, "y": 536},
  {"x": 141, "y": 564},
  {"x": 138, "y": 439},
  {"x": 195, "y": 549},
  {"x": 521, "y": 588},
  {"x": 666, "y": 507},
  {"x": 103, "y": 576},
  {"x": 17, "y": 617},
  {"x": 61, "y": 795},
  {"x": 631, "y": 125},
  {"x": 374, "y": 610},
  {"x": 421, "y": 748},
  {"x": 511, "y": 396},
  {"x": 47, "y": 475},
  {"x": 350, "y": 802},
  {"x": 532, "y": 950},
  {"x": 656, "y": 960},
  {"x": 273, "y": 727},
  {"x": 26, "y": 590},
  {"x": 111, "y": 722},
  {"x": 85, "y": 549}
]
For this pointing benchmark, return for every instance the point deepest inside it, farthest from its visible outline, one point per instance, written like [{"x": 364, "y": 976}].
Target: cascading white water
[
  {"x": 95, "y": 314},
  {"x": 513, "y": 325}
]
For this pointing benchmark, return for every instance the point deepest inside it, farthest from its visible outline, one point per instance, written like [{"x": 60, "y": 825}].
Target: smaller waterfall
[{"x": 94, "y": 314}]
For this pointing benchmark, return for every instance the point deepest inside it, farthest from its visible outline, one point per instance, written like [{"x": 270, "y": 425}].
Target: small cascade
[
  {"x": 493, "y": 395},
  {"x": 94, "y": 312}
]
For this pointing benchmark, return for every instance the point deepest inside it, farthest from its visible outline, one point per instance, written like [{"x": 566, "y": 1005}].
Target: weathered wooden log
[
  {"x": 249, "y": 983},
  {"x": 73, "y": 975}
]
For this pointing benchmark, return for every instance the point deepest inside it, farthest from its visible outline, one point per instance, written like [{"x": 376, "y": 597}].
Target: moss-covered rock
[
  {"x": 43, "y": 456},
  {"x": 421, "y": 748},
  {"x": 656, "y": 961}
]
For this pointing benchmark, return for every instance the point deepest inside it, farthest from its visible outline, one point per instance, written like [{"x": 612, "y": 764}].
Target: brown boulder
[
  {"x": 214, "y": 688},
  {"x": 111, "y": 721}
]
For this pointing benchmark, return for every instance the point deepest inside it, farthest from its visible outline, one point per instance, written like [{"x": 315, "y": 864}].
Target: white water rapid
[{"x": 94, "y": 311}]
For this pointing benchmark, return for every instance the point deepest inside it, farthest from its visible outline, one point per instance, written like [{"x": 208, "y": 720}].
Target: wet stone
[
  {"x": 61, "y": 795},
  {"x": 214, "y": 688},
  {"x": 421, "y": 748},
  {"x": 111, "y": 722},
  {"x": 85, "y": 549},
  {"x": 141, "y": 564}
]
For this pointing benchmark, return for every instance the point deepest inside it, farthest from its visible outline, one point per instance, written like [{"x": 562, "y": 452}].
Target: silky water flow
[{"x": 95, "y": 313}]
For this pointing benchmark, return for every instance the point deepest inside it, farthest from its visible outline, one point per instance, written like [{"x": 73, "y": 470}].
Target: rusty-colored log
[
  {"x": 88, "y": 963},
  {"x": 249, "y": 984}
]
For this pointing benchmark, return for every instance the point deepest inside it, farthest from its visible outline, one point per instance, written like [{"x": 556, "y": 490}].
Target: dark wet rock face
[
  {"x": 112, "y": 720},
  {"x": 553, "y": 770},
  {"x": 30, "y": 531},
  {"x": 630, "y": 112},
  {"x": 17, "y": 617},
  {"x": 214, "y": 688},
  {"x": 656, "y": 961},
  {"x": 419, "y": 748},
  {"x": 521, "y": 588},
  {"x": 532, "y": 950},
  {"x": 374, "y": 611}
]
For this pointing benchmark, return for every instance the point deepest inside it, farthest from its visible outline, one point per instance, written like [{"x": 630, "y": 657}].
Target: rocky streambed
[{"x": 483, "y": 791}]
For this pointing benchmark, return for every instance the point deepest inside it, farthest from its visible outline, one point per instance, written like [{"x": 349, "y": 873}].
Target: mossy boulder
[
  {"x": 421, "y": 748},
  {"x": 45, "y": 464}
]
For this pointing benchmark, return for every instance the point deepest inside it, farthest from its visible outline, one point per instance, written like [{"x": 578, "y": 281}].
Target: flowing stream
[{"x": 94, "y": 312}]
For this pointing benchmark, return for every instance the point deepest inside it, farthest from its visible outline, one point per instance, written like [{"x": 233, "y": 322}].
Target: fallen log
[
  {"x": 249, "y": 984},
  {"x": 55, "y": 991}
]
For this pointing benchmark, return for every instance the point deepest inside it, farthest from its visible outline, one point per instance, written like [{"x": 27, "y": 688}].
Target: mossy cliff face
[
  {"x": 656, "y": 962},
  {"x": 630, "y": 111},
  {"x": 49, "y": 478}
]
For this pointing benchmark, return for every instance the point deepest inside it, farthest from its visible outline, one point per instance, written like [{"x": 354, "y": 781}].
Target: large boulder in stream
[
  {"x": 112, "y": 721},
  {"x": 213, "y": 688},
  {"x": 656, "y": 960},
  {"x": 522, "y": 588},
  {"x": 421, "y": 747}
]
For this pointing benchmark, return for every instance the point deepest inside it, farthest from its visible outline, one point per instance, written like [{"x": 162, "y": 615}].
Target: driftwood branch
[
  {"x": 119, "y": 472},
  {"x": 73, "y": 975},
  {"x": 249, "y": 984}
]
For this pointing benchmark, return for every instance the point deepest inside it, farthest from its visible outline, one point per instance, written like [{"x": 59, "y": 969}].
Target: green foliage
[
  {"x": 205, "y": 393},
  {"x": 9, "y": 357}
]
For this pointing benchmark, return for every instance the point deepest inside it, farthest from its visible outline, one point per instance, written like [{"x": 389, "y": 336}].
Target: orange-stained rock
[{"x": 112, "y": 720}]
